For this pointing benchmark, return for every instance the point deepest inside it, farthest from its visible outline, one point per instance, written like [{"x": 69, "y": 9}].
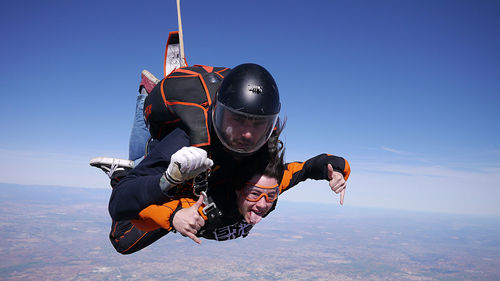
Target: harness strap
[{"x": 200, "y": 188}]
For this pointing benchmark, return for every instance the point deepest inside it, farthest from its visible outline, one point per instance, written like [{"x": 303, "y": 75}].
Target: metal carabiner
[{"x": 200, "y": 183}]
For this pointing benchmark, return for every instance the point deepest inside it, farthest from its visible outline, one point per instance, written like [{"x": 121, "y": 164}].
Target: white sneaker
[{"x": 110, "y": 165}]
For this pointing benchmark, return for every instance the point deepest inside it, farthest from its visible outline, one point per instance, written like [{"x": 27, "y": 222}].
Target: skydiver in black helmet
[
  {"x": 244, "y": 115},
  {"x": 246, "y": 109}
]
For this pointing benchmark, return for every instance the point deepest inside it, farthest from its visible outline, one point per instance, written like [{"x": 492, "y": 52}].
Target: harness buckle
[
  {"x": 210, "y": 210},
  {"x": 200, "y": 187}
]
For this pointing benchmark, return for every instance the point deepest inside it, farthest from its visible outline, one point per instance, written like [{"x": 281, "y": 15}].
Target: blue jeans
[{"x": 139, "y": 135}]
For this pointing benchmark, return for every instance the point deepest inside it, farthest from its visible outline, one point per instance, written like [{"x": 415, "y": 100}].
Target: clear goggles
[
  {"x": 255, "y": 192},
  {"x": 242, "y": 132}
]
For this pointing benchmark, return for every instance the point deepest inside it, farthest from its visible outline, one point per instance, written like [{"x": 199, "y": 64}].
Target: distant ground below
[{"x": 61, "y": 233}]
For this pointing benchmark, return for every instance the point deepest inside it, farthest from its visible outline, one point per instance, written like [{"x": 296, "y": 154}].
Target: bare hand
[
  {"x": 337, "y": 182},
  {"x": 188, "y": 221}
]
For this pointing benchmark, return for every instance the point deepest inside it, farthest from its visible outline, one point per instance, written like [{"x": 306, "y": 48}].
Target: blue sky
[{"x": 407, "y": 91}]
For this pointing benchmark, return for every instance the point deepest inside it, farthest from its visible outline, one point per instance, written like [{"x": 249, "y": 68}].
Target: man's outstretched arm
[{"x": 141, "y": 187}]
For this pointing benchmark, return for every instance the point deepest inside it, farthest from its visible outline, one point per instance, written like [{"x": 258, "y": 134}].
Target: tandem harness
[{"x": 200, "y": 188}]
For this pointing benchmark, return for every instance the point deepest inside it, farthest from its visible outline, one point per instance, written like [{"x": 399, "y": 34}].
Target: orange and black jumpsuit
[{"x": 142, "y": 213}]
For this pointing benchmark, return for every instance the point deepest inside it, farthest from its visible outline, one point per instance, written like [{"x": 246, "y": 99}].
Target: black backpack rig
[{"x": 182, "y": 100}]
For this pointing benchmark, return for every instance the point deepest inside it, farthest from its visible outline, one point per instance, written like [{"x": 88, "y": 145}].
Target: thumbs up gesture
[
  {"x": 188, "y": 221},
  {"x": 337, "y": 183}
]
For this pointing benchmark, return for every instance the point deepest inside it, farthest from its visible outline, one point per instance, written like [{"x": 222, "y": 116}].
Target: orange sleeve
[
  {"x": 347, "y": 170},
  {"x": 291, "y": 169},
  {"x": 158, "y": 216}
]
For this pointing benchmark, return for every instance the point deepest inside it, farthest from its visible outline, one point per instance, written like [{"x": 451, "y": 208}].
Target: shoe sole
[{"x": 97, "y": 161}]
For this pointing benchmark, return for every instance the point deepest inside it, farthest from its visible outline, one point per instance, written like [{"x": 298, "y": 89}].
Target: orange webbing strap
[
  {"x": 183, "y": 70},
  {"x": 207, "y": 68},
  {"x": 222, "y": 70}
]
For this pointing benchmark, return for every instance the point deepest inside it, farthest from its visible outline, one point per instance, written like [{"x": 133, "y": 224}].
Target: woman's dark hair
[{"x": 268, "y": 162}]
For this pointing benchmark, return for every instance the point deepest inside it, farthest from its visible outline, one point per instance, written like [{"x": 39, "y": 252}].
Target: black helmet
[{"x": 246, "y": 108}]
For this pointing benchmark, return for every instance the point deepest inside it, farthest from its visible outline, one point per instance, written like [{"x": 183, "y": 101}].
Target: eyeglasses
[{"x": 254, "y": 192}]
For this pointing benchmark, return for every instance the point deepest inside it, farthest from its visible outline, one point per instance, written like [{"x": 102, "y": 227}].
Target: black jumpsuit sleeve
[
  {"x": 127, "y": 239},
  {"x": 314, "y": 168},
  {"x": 141, "y": 188}
]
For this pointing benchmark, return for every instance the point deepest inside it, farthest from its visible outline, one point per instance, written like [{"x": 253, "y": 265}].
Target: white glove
[{"x": 186, "y": 164}]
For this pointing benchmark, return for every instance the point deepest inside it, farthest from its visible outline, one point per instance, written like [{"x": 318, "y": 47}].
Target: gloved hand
[{"x": 186, "y": 164}]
